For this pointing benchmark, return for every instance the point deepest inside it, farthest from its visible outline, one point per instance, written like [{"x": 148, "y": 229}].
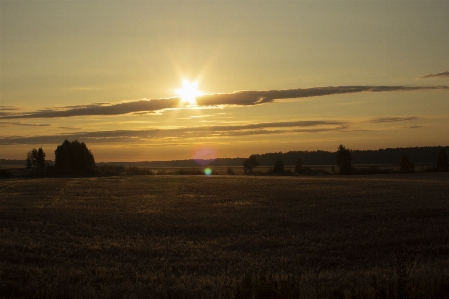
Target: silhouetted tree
[
  {"x": 406, "y": 165},
  {"x": 35, "y": 158},
  {"x": 442, "y": 161},
  {"x": 344, "y": 158},
  {"x": 230, "y": 171},
  {"x": 74, "y": 158},
  {"x": 250, "y": 163},
  {"x": 40, "y": 158},
  {"x": 278, "y": 166},
  {"x": 298, "y": 166},
  {"x": 29, "y": 160}
]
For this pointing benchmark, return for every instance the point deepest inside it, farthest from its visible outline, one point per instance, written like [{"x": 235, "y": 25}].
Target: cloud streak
[
  {"x": 165, "y": 135},
  {"x": 17, "y": 123},
  {"x": 239, "y": 98},
  {"x": 124, "y": 136},
  {"x": 377, "y": 120},
  {"x": 437, "y": 75}
]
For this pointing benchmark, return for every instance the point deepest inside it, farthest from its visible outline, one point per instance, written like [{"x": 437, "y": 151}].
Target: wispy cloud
[
  {"x": 240, "y": 98},
  {"x": 7, "y": 108},
  {"x": 125, "y": 136},
  {"x": 437, "y": 75},
  {"x": 393, "y": 119},
  {"x": 17, "y": 123}
]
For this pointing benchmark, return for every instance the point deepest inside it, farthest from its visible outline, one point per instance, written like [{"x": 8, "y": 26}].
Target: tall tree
[
  {"x": 40, "y": 158},
  {"x": 344, "y": 158},
  {"x": 278, "y": 166},
  {"x": 406, "y": 165},
  {"x": 29, "y": 161},
  {"x": 35, "y": 159},
  {"x": 250, "y": 163},
  {"x": 442, "y": 161},
  {"x": 298, "y": 166}
]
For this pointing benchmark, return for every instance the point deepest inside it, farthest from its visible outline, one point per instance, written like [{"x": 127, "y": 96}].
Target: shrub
[
  {"x": 192, "y": 171},
  {"x": 134, "y": 170},
  {"x": 230, "y": 171},
  {"x": 5, "y": 174},
  {"x": 110, "y": 170}
]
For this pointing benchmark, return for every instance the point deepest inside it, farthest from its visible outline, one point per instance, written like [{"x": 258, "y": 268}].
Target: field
[{"x": 379, "y": 236}]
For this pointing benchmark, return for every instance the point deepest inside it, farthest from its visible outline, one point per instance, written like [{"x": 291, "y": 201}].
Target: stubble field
[{"x": 380, "y": 236}]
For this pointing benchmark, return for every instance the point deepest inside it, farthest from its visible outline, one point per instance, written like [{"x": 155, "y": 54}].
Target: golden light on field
[{"x": 189, "y": 92}]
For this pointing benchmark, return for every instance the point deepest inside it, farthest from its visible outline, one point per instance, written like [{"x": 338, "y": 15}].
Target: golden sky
[{"x": 274, "y": 76}]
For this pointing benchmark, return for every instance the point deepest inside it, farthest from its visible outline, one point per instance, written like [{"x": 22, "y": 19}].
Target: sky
[{"x": 274, "y": 76}]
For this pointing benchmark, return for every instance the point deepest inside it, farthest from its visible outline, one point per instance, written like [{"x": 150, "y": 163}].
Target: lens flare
[
  {"x": 207, "y": 171},
  {"x": 204, "y": 156}
]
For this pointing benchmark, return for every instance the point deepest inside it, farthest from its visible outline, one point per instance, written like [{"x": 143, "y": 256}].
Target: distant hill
[{"x": 419, "y": 155}]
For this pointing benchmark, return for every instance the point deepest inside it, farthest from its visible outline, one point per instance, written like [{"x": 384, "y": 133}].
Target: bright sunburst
[{"x": 189, "y": 92}]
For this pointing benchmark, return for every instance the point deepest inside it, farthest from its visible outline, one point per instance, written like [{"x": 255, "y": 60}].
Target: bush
[
  {"x": 134, "y": 170},
  {"x": 307, "y": 171},
  {"x": 230, "y": 171},
  {"x": 110, "y": 170},
  {"x": 51, "y": 170},
  {"x": 189, "y": 172},
  {"x": 5, "y": 174}
]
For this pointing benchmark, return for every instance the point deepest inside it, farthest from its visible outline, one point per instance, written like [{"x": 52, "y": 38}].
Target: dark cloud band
[
  {"x": 437, "y": 75},
  {"x": 240, "y": 98}
]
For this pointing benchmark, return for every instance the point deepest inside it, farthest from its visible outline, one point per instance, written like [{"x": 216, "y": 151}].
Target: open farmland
[{"x": 383, "y": 236}]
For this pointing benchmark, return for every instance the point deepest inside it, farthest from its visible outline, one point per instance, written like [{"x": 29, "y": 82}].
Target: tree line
[
  {"x": 344, "y": 159},
  {"x": 381, "y": 156},
  {"x": 74, "y": 158},
  {"x": 71, "y": 158}
]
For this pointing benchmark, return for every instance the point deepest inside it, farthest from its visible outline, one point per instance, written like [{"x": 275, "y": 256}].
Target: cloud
[
  {"x": 140, "y": 106},
  {"x": 437, "y": 75},
  {"x": 124, "y": 136},
  {"x": 17, "y": 123},
  {"x": 392, "y": 119},
  {"x": 239, "y": 98},
  {"x": 6, "y": 108}
]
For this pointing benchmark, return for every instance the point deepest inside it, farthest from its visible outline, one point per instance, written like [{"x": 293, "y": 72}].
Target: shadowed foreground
[{"x": 225, "y": 237}]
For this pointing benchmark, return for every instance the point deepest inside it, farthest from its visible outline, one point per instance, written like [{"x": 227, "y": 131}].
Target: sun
[{"x": 189, "y": 92}]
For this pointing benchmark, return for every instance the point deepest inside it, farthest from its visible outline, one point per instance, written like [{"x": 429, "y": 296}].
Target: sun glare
[{"x": 189, "y": 92}]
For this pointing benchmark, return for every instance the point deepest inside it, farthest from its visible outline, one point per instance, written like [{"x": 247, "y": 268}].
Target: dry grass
[{"x": 225, "y": 237}]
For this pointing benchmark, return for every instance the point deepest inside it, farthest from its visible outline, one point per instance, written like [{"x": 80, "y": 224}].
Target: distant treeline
[
  {"x": 419, "y": 155},
  {"x": 424, "y": 155}
]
